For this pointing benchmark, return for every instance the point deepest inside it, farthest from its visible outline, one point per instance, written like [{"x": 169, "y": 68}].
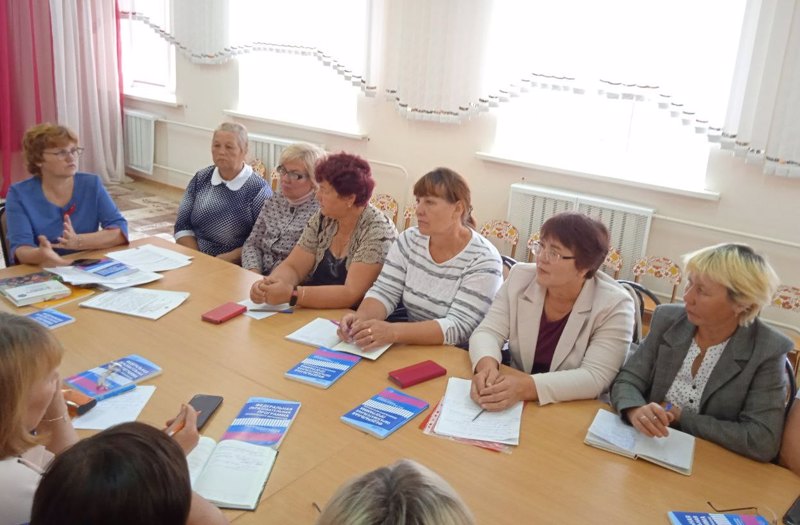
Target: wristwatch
[{"x": 293, "y": 299}]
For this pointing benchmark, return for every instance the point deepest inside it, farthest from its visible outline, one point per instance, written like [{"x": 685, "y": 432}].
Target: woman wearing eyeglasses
[
  {"x": 283, "y": 217},
  {"x": 568, "y": 326},
  {"x": 222, "y": 201},
  {"x": 342, "y": 248},
  {"x": 59, "y": 210}
]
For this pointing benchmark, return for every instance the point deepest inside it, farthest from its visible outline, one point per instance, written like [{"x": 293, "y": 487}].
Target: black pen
[{"x": 478, "y": 414}]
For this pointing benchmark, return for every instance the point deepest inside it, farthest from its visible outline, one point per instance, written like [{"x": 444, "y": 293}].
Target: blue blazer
[{"x": 742, "y": 407}]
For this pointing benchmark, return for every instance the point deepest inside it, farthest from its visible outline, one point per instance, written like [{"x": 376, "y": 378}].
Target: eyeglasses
[
  {"x": 548, "y": 254},
  {"x": 292, "y": 175},
  {"x": 66, "y": 153}
]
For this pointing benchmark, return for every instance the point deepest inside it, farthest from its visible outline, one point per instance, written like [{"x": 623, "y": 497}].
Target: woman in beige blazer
[{"x": 568, "y": 326}]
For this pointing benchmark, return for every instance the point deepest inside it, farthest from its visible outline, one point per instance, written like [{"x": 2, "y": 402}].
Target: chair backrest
[
  {"x": 502, "y": 230},
  {"x": 791, "y": 385},
  {"x": 3, "y": 236},
  {"x": 613, "y": 262},
  {"x": 787, "y": 298},
  {"x": 261, "y": 170},
  {"x": 409, "y": 214},
  {"x": 660, "y": 268},
  {"x": 640, "y": 295},
  {"x": 508, "y": 263},
  {"x": 387, "y": 204},
  {"x": 532, "y": 239}
]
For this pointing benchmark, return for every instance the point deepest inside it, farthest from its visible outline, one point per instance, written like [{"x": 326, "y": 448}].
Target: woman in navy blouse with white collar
[
  {"x": 59, "y": 210},
  {"x": 222, "y": 201}
]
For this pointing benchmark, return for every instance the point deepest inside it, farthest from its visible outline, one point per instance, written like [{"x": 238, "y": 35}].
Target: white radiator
[
  {"x": 628, "y": 224},
  {"x": 140, "y": 139},
  {"x": 268, "y": 149}
]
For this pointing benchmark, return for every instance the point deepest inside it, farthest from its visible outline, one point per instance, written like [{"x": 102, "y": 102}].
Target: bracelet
[{"x": 62, "y": 417}]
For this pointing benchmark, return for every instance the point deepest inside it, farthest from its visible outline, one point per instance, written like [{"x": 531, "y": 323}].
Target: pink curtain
[{"x": 27, "y": 87}]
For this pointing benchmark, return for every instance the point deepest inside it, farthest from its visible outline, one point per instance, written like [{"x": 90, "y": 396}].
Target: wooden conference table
[{"x": 551, "y": 477}]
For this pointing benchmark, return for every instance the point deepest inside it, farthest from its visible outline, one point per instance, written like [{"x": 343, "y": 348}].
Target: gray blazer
[{"x": 742, "y": 408}]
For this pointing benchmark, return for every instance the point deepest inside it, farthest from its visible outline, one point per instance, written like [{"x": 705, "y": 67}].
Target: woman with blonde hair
[
  {"x": 283, "y": 217},
  {"x": 405, "y": 493},
  {"x": 59, "y": 210},
  {"x": 710, "y": 367}
]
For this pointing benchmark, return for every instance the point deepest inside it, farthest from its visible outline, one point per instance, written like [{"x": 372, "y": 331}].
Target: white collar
[{"x": 234, "y": 184}]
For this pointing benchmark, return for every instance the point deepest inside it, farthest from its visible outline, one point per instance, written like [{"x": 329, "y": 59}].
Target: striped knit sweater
[{"x": 456, "y": 294}]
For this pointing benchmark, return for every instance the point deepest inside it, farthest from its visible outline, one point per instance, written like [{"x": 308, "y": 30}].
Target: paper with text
[
  {"x": 151, "y": 258},
  {"x": 139, "y": 302},
  {"x": 115, "y": 410}
]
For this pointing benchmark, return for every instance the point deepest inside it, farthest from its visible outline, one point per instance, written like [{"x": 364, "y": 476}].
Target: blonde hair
[
  {"x": 308, "y": 154},
  {"x": 405, "y": 493},
  {"x": 750, "y": 280},
  {"x": 28, "y": 352},
  {"x": 40, "y": 137}
]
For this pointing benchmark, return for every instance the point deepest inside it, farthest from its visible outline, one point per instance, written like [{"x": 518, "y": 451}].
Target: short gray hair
[
  {"x": 237, "y": 129},
  {"x": 308, "y": 154}
]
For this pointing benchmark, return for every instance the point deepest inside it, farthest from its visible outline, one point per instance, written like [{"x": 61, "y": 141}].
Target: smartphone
[
  {"x": 792, "y": 516},
  {"x": 206, "y": 405},
  {"x": 85, "y": 262},
  {"x": 220, "y": 314}
]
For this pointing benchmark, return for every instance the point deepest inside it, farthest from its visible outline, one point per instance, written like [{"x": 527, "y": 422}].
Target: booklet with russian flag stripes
[
  {"x": 322, "y": 368},
  {"x": 116, "y": 377},
  {"x": 232, "y": 474},
  {"x": 385, "y": 412}
]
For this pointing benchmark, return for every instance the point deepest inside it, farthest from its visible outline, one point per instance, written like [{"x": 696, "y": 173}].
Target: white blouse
[{"x": 687, "y": 391}]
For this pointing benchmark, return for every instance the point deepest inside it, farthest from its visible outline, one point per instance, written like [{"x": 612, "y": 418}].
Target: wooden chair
[
  {"x": 788, "y": 298},
  {"x": 613, "y": 262},
  {"x": 387, "y": 204},
  {"x": 502, "y": 230},
  {"x": 261, "y": 170},
  {"x": 409, "y": 214},
  {"x": 532, "y": 239},
  {"x": 660, "y": 268}
]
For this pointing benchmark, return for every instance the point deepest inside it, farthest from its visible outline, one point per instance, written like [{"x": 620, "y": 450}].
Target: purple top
[{"x": 546, "y": 342}]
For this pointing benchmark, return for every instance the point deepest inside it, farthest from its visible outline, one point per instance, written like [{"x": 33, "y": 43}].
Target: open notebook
[
  {"x": 675, "y": 452},
  {"x": 322, "y": 333}
]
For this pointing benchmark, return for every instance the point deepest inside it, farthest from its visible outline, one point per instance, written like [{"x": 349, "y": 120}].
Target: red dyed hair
[
  {"x": 348, "y": 175},
  {"x": 584, "y": 236}
]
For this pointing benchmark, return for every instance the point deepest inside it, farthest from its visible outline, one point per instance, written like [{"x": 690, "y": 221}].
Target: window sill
[
  {"x": 697, "y": 194},
  {"x": 350, "y": 134},
  {"x": 155, "y": 97}
]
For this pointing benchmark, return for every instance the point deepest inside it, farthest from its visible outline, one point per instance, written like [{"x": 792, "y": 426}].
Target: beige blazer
[{"x": 591, "y": 349}]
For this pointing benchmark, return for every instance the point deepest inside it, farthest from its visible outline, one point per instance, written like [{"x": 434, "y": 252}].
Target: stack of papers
[
  {"x": 108, "y": 273},
  {"x": 458, "y": 411},
  {"x": 149, "y": 258},
  {"x": 139, "y": 302}
]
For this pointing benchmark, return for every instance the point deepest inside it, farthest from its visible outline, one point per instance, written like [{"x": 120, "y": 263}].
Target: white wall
[{"x": 750, "y": 201}]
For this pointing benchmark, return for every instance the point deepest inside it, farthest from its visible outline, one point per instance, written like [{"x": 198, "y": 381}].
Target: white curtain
[
  {"x": 763, "y": 120},
  {"x": 432, "y": 58},
  {"x": 86, "y": 68}
]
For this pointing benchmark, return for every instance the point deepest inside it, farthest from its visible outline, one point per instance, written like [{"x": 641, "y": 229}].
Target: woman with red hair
[{"x": 341, "y": 251}]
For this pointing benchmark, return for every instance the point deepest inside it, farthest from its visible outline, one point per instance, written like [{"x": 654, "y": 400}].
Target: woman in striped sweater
[{"x": 443, "y": 272}]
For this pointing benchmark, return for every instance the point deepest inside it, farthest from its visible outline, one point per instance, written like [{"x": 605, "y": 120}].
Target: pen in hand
[{"x": 478, "y": 414}]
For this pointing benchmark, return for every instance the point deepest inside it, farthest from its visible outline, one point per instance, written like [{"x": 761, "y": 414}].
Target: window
[
  {"x": 687, "y": 49},
  {"x": 284, "y": 85},
  {"x": 148, "y": 61}
]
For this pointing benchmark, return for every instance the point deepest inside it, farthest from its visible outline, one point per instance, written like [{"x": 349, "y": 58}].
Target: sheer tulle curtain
[
  {"x": 86, "y": 68},
  {"x": 26, "y": 80},
  {"x": 432, "y": 55},
  {"x": 764, "y": 111}
]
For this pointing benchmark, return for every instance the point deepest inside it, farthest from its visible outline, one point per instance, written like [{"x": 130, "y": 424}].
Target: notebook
[
  {"x": 322, "y": 333},
  {"x": 675, "y": 452},
  {"x": 32, "y": 288},
  {"x": 233, "y": 473}
]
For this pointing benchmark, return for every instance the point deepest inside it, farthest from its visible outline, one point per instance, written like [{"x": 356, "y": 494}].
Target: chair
[
  {"x": 409, "y": 214},
  {"x": 387, "y": 204},
  {"x": 532, "y": 239},
  {"x": 660, "y": 268},
  {"x": 502, "y": 230},
  {"x": 788, "y": 298},
  {"x": 791, "y": 383},
  {"x": 640, "y": 295},
  {"x": 508, "y": 263},
  {"x": 3, "y": 238},
  {"x": 261, "y": 170},
  {"x": 613, "y": 262}
]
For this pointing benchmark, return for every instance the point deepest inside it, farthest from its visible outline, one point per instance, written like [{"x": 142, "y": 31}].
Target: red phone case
[
  {"x": 414, "y": 374},
  {"x": 222, "y": 313}
]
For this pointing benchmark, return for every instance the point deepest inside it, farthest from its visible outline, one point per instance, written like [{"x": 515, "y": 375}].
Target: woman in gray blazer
[
  {"x": 710, "y": 367},
  {"x": 568, "y": 326}
]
